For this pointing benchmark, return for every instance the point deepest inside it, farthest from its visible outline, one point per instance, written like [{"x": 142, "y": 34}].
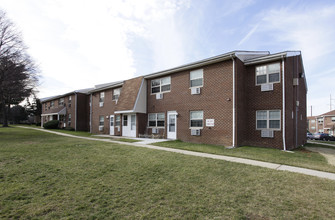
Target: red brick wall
[{"x": 215, "y": 100}]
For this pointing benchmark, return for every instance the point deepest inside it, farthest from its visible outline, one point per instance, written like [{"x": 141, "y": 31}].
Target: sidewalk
[
  {"x": 274, "y": 166},
  {"x": 315, "y": 142}
]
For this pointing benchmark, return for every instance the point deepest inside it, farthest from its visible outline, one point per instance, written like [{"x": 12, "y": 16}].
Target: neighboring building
[
  {"x": 71, "y": 109},
  {"x": 235, "y": 99},
  {"x": 324, "y": 123}
]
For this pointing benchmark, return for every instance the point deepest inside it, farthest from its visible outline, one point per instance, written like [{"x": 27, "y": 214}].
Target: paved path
[
  {"x": 140, "y": 140},
  {"x": 315, "y": 142},
  {"x": 274, "y": 166}
]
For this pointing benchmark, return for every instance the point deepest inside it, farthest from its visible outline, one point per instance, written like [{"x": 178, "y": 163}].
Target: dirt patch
[{"x": 328, "y": 153}]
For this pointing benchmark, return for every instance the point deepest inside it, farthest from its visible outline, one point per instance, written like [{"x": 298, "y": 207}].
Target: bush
[
  {"x": 38, "y": 124},
  {"x": 69, "y": 129},
  {"x": 51, "y": 124}
]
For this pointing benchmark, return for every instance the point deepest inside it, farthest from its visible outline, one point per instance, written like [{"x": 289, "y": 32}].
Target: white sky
[{"x": 80, "y": 43}]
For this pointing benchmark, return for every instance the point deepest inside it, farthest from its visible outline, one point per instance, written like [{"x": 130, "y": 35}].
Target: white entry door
[
  {"x": 172, "y": 125},
  {"x": 111, "y": 123},
  {"x": 129, "y": 125}
]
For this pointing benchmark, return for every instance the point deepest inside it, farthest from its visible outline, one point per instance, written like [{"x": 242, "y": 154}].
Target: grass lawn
[
  {"x": 48, "y": 176},
  {"x": 300, "y": 157}
]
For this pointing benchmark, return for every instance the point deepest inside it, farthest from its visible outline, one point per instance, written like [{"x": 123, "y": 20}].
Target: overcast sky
[{"x": 80, "y": 43}]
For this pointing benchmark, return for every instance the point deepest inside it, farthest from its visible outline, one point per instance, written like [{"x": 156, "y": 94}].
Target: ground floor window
[
  {"x": 156, "y": 120},
  {"x": 268, "y": 119},
  {"x": 196, "y": 119},
  {"x": 101, "y": 120},
  {"x": 69, "y": 120},
  {"x": 117, "y": 120}
]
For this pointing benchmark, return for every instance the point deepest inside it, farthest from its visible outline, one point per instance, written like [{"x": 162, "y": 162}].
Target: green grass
[
  {"x": 300, "y": 157},
  {"x": 51, "y": 177}
]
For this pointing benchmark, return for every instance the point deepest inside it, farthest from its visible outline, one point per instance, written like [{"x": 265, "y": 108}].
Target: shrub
[
  {"x": 51, "y": 124},
  {"x": 38, "y": 124}
]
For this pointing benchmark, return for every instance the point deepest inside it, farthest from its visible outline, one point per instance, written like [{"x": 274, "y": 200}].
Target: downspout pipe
[
  {"x": 91, "y": 113},
  {"x": 76, "y": 112},
  {"x": 283, "y": 83},
  {"x": 234, "y": 119}
]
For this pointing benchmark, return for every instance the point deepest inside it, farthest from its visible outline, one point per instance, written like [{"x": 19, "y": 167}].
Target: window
[
  {"x": 69, "y": 119},
  {"x": 196, "y": 118},
  {"x": 101, "y": 120},
  {"x": 156, "y": 120},
  {"x": 45, "y": 107},
  {"x": 117, "y": 120},
  {"x": 312, "y": 128},
  {"x": 312, "y": 121},
  {"x": 132, "y": 122},
  {"x": 125, "y": 120},
  {"x": 102, "y": 97},
  {"x": 320, "y": 120},
  {"x": 196, "y": 78},
  {"x": 267, "y": 74},
  {"x": 269, "y": 119},
  {"x": 61, "y": 101},
  {"x": 160, "y": 85},
  {"x": 116, "y": 93},
  {"x": 320, "y": 130},
  {"x": 52, "y": 104},
  {"x": 333, "y": 119},
  {"x": 70, "y": 99}
]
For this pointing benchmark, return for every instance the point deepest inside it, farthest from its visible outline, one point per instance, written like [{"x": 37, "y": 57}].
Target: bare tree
[{"x": 18, "y": 75}]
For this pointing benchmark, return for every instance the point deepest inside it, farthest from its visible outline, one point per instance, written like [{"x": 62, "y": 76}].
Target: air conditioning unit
[
  {"x": 195, "y": 91},
  {"x": 195, "y": 132},
  {"x": 159, "y": 96},
  {"x": 266, "y": 87},
  {"x": 154, "y": 130},
  {"x": 101, "y": 128},
  {"x": 267, "y": 133},
  {"x": 101, "y": 104}
]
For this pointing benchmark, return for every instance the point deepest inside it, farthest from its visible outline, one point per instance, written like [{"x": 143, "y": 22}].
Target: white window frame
[
  {"x": 117, "y": 120},
  {"x": 160, "y": 85},
  {"x": 61, "y": 101},
  {"x": 333, "y": 119},
  {"x": 268, "y": 120},
  {"x": 156, "y": 120},
  {"x": 70, "y": 99},
  {"x": 101, "y": 97},
  {"x": 116, "y": 94},
  {"x": 202, "y": 77},
  {"x": 52, "y": 104},
  {"x": 101, "y": 122},
  {"x": 312, "y": 121},
  {"x": 267, "y": 73},
  {"x": 202, "y": 119}
]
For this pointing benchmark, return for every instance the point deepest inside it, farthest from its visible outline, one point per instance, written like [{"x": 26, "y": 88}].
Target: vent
[
  {"x": 195, "y": 91},
  {"x": 267, "y": 133},
  {"x": 266, "y": 87},
  {"x": 154, "y": 130},
  {"x": 195, "y": 132},
  {"x": 101, "y": 128},
  {"x": 101, "y": 104},
  {"x": 159, "y": 96}
]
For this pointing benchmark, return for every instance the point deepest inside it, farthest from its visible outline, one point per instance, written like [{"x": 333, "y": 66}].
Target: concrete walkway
[
  {"x": 274, "y": 166},
  {"x": 315, "y": 142},
  {"x": 140, "y": 140}
]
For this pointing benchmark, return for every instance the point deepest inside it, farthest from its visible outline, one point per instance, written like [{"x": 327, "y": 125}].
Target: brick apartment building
[
  {"x": 235, "y": 99},
  {"x": 71, "y": 109},
  {"x": 324, "y": 123}
]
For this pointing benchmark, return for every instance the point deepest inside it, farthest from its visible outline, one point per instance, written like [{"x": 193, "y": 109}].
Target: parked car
[
  {"x": 309, "y": 136},
  {"x": 321, "y": 136},
  {"x": 331, "y": 138}
]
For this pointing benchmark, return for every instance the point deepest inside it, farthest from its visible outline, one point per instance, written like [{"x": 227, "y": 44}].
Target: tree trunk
[{"x": 4, "y": 114}]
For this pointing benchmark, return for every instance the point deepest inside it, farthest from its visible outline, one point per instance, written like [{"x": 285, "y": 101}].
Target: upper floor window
[
  {"x": 116, "y": 94},
  {"x": 45, "y": 107},
  {"x": 102, "y": 97},
  {"x": 312, "y": 121},
  {"x": 156, "y": 120},
  {"x": 196, "y": 118},
  {"x": 320, "y": 120},
  {"x": 268, "y": 119},
  {"x": 196, "y": 78},
  {"x": 70, "y": 99},
  {"x": 268, "y": 74},
  {"x": 52, "y": 104},
  {"x": 161, "y": 85},
  {"x": 333, "y": 119},
  {"x": 61, "y": 101}
]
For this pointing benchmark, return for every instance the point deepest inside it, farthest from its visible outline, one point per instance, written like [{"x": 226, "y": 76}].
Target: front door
[
  {"x": 172, "y": 125},
  {"x": 129, "y": 125},
  {"x": 111, "y": 129}
]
